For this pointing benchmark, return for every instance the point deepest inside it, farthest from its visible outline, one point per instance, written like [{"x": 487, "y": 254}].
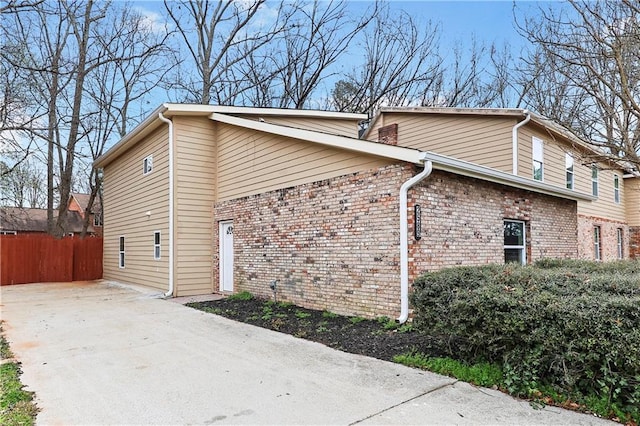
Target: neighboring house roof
[
  {"x": 411, "y": 155},
  {"x": 83, "y": 202},
  {"x": 35, "y": 220}
]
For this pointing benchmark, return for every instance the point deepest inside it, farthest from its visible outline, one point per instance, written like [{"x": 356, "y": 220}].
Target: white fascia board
[
  {"x": 196, "y": 109},
  {"x": 342, "y": 142},
  {"x": 146, "y": 126},
  {"x": 464, "y": 168}
]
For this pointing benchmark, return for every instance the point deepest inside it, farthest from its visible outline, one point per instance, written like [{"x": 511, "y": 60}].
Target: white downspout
[
  {"x": 404, "y": 239},
  {"x": 514, "y": 139},
  {"x": 169, "y": 292}
]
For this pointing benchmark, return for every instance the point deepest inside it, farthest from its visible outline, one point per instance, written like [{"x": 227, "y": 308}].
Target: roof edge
[
  {"x": 465, "y": 168},
  {"x": 342, "y": 142}
]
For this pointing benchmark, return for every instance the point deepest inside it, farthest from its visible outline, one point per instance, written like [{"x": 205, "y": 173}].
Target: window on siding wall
[
  {"x": 568, "y": 164},
  {"x": 538, "y": 159},
  {"x": 620, "y": 244},
  {"x": 147, "y": 165},
  {"x": 597, "y": 246},
  {"x": 156, "y": 245},
  {"x": 121, "y": 253},
  {"x": 616, "y": 189},
  {"x": 594, "y": 180},
  {"x": 514, "y": 242}
]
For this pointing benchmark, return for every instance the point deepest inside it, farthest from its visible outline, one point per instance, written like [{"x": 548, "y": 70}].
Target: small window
[
  {"x": 568, "y": 165},
  {"x": 594, "y": 180},
  {"x": 514, "y": 242},
  {"x": 597, "y": 247},
  {"x": 538, "y": 159},
  {"x": 8, "y": 232},
  {"x": 121, "y": 253},
  {"x": 156, "y": 245},
  {"x": 97, "y": 219},
  {"x": 620, "y": 243},
  {"x": 616, "y": 189},
  {"x": 147, "y": 165}
]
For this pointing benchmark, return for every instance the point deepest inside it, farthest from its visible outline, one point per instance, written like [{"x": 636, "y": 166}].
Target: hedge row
[{"x": 570, "y": 326}]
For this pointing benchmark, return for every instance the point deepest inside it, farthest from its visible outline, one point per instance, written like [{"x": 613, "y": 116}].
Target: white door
[{"x": 226, "y": 256}]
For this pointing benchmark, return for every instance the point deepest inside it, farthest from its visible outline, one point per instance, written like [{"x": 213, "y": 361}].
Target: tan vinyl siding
[
  {"x": 604, "y": 206},
  {"x": 333, "y": 126},
  {"x": 481, "y": 140},
  {"x": 125, "y": 208},
  {"x": 194, "y": 198},
  {"x": 251, "y": 162},
  {"x": 632, "y": 200}
]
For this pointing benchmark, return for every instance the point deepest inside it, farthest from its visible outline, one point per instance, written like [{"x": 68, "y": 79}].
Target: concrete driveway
[{"x": 102, "y": 353}]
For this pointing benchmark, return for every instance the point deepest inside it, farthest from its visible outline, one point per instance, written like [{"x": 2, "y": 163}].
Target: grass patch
[
  {"x": 356, "y": 320},
  {"x": 481, "y": 374},
  {"x": 16, "y": 404},
  {"x": 243, "y": 295}
]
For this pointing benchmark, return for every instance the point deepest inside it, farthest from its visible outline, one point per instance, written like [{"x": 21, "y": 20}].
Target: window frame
[
  {"x": 97, "y": 219},
  {"x": 157, "y": 245},
  {"x": 597, "y": 242},
  {"x": 121, "y": 252},
  {"x": 569, "y": 170},
  {"x": 595, "y": 185},
  {"x": 522, "y": 247},
  {"x": 616, "y": 188},
  {"x": 147, "y": 165},
  {"x": 537, "y": 143},
  {"x": 620, "y": 237}
]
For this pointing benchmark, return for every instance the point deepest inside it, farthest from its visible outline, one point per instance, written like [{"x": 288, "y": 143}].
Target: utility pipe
[
  {"x": 169, "y": 292},
  {"x": 404, "y": 239},
  {"x": 514, "y": 139}
]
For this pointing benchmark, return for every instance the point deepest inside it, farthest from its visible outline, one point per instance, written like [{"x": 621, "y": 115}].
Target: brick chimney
[{"x": 388, "y": 134}]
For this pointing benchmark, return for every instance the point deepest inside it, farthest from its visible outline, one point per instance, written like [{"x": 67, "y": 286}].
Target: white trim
[
  {"x": 537, "y": 157},
  {"x": 616, "y": 188},
  {"x": 147, "y": 164},
  {"x": 523, "y": 246},
  {"x": 341, "y": 142},
  {"x": 404, "y": 240},
  {"x": 157, "y": 247},
  {"x": 464, "y": 168},
  {"x": 597, "y": 242},
  {"x": 121, "y": 251}
]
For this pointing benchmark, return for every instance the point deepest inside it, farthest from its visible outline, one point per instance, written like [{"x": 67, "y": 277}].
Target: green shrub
[{"x": 568, "y": 325}]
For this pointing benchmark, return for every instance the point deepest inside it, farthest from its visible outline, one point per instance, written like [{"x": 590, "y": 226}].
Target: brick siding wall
[
  {"x": 334, "y": 244},
  {"x": 608, "y": 238},
  {"x": 634, "y": 242}
]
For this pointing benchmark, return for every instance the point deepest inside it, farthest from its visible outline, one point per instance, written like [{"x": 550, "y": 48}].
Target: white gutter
[
  {"x": 514, "y": 139},
  {"x": 404, "y": 239},
  {"x": 169, "y": 292}
]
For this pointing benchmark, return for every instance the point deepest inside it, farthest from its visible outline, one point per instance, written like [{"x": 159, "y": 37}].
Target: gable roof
[
  {"x": 153, "y": 121},
  {"x": 83, "y": 201},
  {"x": 35, "y": 220}
]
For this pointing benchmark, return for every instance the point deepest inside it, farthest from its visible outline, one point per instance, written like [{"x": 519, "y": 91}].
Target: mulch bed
[{"x": 381, "y": 339}]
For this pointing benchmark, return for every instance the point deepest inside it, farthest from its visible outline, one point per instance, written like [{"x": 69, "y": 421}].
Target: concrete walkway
[{"x": 100, "y": 353}]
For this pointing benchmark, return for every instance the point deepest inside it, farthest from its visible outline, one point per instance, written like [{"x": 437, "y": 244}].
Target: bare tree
[
  {"x": 401, "y": 59},
  {"x": 587, "y": 57},
  {"x": 319, "y": 34},
  {"x": 61, "y": 50},
  {"x": 136, "y": 62},
  {"x": 24, "y": 186},
  {"x": 218, "y": 36}
]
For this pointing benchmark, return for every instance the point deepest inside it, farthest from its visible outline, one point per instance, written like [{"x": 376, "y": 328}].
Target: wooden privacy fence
[{"x": 36, "y": 258}]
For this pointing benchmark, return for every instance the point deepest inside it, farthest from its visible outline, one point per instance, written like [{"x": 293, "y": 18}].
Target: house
[
  {"x": 79, "y": 202},
  {"x": 200, "y": 199},
  {"x": 18, "y": 220}
]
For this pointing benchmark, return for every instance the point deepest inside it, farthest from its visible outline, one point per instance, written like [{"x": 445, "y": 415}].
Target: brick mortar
[
  {"x": 608, "y": 238},
  {"x": 334, "y": 244}
]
